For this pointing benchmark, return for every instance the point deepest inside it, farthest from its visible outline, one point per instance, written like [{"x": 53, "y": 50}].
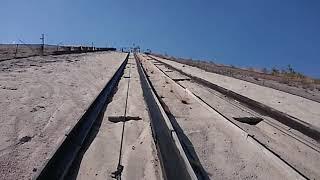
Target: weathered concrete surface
[
  {"x": 139, "y": 159},
  {"x": 221, "y": 150},
  {"x": 275, "y": 136},
  {"x": 301, "y": 108},
  {"x": 41, "y": 98}
]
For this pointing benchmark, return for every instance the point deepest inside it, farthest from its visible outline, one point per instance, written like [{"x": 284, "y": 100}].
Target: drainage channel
[
  {"x": 174, "y": 162},
  {"x": 58, "y": 165}
]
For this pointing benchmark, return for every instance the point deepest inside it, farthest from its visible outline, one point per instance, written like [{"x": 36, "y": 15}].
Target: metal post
[
  {"x": 42, "y": 45},
  {"x": 15, "y": 56}
]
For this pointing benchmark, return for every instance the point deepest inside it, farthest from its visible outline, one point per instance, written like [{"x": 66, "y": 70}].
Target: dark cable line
[{"x": 117, "y": 174}]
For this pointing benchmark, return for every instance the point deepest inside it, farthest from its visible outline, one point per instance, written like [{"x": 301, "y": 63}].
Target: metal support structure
[{"x": 42, "y": 45}]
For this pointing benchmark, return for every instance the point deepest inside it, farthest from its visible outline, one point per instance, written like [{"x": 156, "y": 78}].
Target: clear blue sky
[{"x": 246, "y": 33}]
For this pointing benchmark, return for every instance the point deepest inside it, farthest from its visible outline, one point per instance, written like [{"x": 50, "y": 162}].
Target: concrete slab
[
  {"x": 301, "y": 108},
  {"x": 41, "y": 99},
  {"x": 293, "y": 148},
  {"x": 221, "y": 152}
]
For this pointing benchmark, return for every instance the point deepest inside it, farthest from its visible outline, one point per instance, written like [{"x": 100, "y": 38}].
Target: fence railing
[{"x": 14, "y": 51}]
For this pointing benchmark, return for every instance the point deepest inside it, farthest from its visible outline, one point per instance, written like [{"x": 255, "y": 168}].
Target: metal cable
[{"x": 117, "y": 174}]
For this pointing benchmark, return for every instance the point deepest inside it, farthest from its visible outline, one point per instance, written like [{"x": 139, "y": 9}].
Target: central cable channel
[{"x": 117, "y": 174}]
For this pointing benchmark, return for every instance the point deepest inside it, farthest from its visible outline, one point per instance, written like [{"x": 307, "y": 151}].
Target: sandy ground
[
  {"x": 41, "y": 98},
  {"x": 301, "y": 108},
  {"x": 273, "y": 135},
  {"x": 139, "y": 159},
  {"x": 221, "y": 151}
]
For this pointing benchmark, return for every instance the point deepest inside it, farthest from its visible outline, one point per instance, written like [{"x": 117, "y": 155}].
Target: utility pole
[{"x": 42, "y": 45}]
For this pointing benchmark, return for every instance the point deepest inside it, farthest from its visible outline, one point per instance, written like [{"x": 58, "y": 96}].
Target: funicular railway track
[
  {"x": 290, "y": 121},
  {"x": 284, "y": 139},
  {"x": 174, "y": 163},
  {"x": 294, "y": 127}
]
